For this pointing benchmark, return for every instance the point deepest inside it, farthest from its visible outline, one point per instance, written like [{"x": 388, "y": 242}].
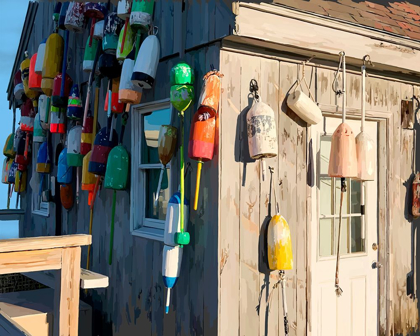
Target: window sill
[{"x": 148, "y": 233}]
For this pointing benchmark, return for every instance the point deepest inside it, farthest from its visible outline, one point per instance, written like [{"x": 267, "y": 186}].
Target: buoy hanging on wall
[
  {"x": 74, "y": 106},
  {"x": 18, "y": 90},
  {"x": 74, "y": 157},
  {"x": 97, "y": 12},
  {"x": 40, "y": 135},
  {"x": 129, "y": 93},
  {"x": 52, "y": 62},
  {"x": 34, "y": 78},
  {"x": 112, "y": 28},
  {"x": 87, "y": 136},
  {"x": 65, "y": 172},
  {"x": 44, "y": 111},
  {"x": 27, "y": 115},
  {"x": 125, "y": 43},
  {"x": 123, "y": 12},
  {"x": 173, "y": 220},
  {"x": 58, "y": 120},
  {"x": 5, "y": 171},
  {"x": 12, "y": 173},
  {"x": 88, "y": 179},
  {"x": 75, "y": 17},
  {"x": 57, "y": 99},
  {"x": 31, "y": 94},
  {"x": 89, "y": 57},
  {"x": 141, "y": 14},
  {"x": 101, "y": 148},
  {"x": 116, "y": 105},
  {"x": 171, "y": 267},
  {"x": 147, "y": 61},
  {"x": 43, "y": 162},
  {"x": 98, "y": 31},
  {"x": 279, "y": 244},
  {"x": 8, "y": 149},
  {"x": 40, "y": 58}
]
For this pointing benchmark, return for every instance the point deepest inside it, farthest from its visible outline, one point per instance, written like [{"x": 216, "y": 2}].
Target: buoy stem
[
  {"x": 90, "y": 232},
  {"x": 181, "y": 153},
  {"x": 168, "y": 300},
  {"x": 77, "y": 184},
  {"x": 64, "y": 67},
  {"x": 95, "y": 191},
  {"x": 95, "y": 111},
  {"x": 8, "y": 197},
  {"x": 159, "y": 185},
  {"x": 86, "y": 106},
  {"x": 263, "y": 169},
  {"x": 111, "y": 239},
  {"x": 363, "y": 98},
  {"x": 344, "y": 87},
  {"x": 197, "y": 185},
  {"x": 138, "y": 36}
]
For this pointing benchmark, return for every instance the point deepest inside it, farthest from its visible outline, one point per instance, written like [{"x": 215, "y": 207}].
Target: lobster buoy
[
  {"x": 18, "y": 90},
  {"x": 40, "y": 135},
  {"x": 56, "y": 99},
  {"x": 11, "y": 179},
  {"x": 18, "y": 135},
  {"x": 262, "y": 132},
  {"x": 97, "y": 12},
  {"x": 173, "y": 220},
  {"x": 43, "y": 162},
  {"x": 65, "y": 172},
  {"x": 304, "y": 107},
  {"x": 181, "y": 74},
  {"x": 58, "y": 120},
  {"x": 8, "y": 149},
  {"x": 98, "y": 31},
  {"x": 34, "y": 78},
  {"x": 74, "y": 106},
  {"x": 52, "y": 62},
  {"x": 44, "y": 111},
  {"x": 40, "y": 58},
  {"x": 27, "y": 115},
  {"x": 5, "y": 171},
  {"x": 20, "y": 181},
  {"x": 101, "y": 148},
  {"x": 87, "y": 136},
  {"x": 112, "y": 28},
  {"x": 181, "y": 96},
  {"x": 74, "y": 157},
  {"x": 171, "y": 267},
  {"x": 89, "y": 57},
  {"x": 62, "y": 15},
  {"x": 21, "y": 159},
  {"x": 279, "y": 244},
  {"x": 88, "y": 179},
  {"x": 66, "y": 196},
  {"x": 123, "y": 12},
  {"x": 147, "y": 61},
  {"x": 116, "y": 105},
  {"x": 141, "y": 14},
  {"x": 125, "y": 42},
  {"x": 75, "y": 17},
  {"x": 129, "y": 93},
  {"x": 109, "y": 66},
  {"x": 117, "y": 167},
  {"x": 24, "y": 68}
]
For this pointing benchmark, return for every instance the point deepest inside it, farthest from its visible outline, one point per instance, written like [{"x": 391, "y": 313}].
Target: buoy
[
  {"x": 141, "y": 14},
  {"x": 58, "y": 120},
  {"x": 97, "y": 12},
  {"x": 123, "y": 12},
  {"x": 66, "y": 196},
  {"x": 57, "y": 99},
  {"x": 181, "y": 74},
  {"x": 173, "y": 220},
  {"x": 203, "y": 130},
  {"x": 40, "y": 135},
  {"x": 34, "y": 78},
  {"x": 112, "y": 28},
  {"x": 147, "y": 61},
  {"x": 101, "y": 148},
  {"x": 88, "y": 179},
  {"x": 279, "y": 244},
  {"x": 5, "y": 171},
  {"x": 98, "y": 31},
  {"x": 116, "y": 105},
  {"x": 12, "y": 173},
  {"x": 20, "y": 183},
  {"x": 87, "y": 136},
  {"x": 21, "y": 159},
  {"x": 62, "y": 15},
  {"x": 181, "y": 96},
  {"x": 171, "y": 267},
  {"x": 262, "y": 130},
  {"x": 304, "y": 107},
  {"x": 65, "y": 172},
  {"x": 31, "y": 94},
  {"x": 27, "y": 115},
  {"x": 52, "y": 62},
  {"x": 43, "y": 161},
  {"x": 40, "y": 58},
  {"x": 129, "y": 93},
  {"x": 8, "y": 149},
  {"x": 74, "y": 106},
  {"x": 74, "y": 157},
  {"x": 75, "y": 17},
  {"x": 44, "y": 111},
  {"x": 18, "y": 90},
  {"x": 89, "y": 57},
  {"x": 166, "y": 149},
  {"x": 125, "y": 42}
]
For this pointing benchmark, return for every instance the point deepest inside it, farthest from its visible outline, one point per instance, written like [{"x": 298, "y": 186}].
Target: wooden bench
[{"x": 49, "y": 253}]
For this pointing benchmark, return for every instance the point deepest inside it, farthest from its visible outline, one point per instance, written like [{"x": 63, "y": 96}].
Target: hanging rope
[
  {"x": 335, "y": 81},
  {"x": 301, "y": 79},
  {"x": 338, "y": 289}
]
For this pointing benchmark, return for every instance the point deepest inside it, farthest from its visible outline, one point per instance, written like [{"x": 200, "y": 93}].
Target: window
[
  {"x": 329, "y": 208},
  {"x": 148, "y": 218},
  {"x": 40, "y": 204}
]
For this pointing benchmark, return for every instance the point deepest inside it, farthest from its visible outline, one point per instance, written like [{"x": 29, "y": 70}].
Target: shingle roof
[{"x": 398, "y": 17}]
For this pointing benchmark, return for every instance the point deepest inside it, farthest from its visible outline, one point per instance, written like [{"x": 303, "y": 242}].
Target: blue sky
[{"x": 10, "y": 27}]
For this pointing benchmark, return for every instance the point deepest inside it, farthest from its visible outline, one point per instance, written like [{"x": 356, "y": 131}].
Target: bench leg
[{"x": 69, "y": 292}]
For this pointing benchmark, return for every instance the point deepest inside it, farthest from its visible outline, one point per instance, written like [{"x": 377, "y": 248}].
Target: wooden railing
[{"x": 50, "y": 253}]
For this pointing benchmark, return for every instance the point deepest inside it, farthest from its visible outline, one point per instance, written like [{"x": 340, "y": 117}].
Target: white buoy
[
  {"x": 40, "y": 58},
  {"x": 172, "y": 221},
  {"x": 129, "y": 93},
  {"x": 44, "y": 111},
  {"x": 147, "y": 61},
  {"x": 304, "y": 107},
  {"x": 171, "y": 267},
  {"x": 74, "y": 157},
  {"x": 98, "y": 30}
]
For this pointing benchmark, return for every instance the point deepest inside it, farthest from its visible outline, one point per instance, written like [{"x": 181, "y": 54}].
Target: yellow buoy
[
  {"x": 52, "y": 62},
  {"x": 279, "y": 244}
]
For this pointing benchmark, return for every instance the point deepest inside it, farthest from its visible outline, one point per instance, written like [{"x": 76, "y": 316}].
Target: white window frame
[
  {"x": 140, "y": 225},
  {"x": 38, "y": 208}
]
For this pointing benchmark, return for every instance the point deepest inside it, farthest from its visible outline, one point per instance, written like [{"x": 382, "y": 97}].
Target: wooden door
[{"x": 355, "y": 312}]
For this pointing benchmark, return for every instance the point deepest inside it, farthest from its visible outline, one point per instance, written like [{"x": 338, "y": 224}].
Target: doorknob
[{"x": 375, "y": 264}]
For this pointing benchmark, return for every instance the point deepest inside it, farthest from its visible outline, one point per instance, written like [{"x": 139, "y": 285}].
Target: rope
[
  {"x": 303, "y": 79},
  {"x": 338, "y": 289}
]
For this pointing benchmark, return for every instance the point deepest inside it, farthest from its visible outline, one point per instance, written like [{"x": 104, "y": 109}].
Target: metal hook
[
  {"x": 366, "y": 59},
  {"x": 253, "y": 87}
]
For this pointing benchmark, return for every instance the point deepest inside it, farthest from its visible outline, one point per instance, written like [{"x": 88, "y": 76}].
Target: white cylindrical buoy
[
  {"x": 129, "y": 93},
  {"x": 98, "y": 30},
  {"x": 304, "y": 107},
  {"x": 74, "y": 157},
  {"x": 40, "y": 58},
  {"x": 44, "y": 111},
  {"x": 75, "y": 17},
  {"x": 171, "y": 267},
  {"x": 144, "y": 71},
  {"x": 173, "y": 221}
]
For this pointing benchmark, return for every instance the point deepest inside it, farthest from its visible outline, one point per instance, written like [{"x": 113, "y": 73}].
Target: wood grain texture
[{"x": 27, "y": 261}]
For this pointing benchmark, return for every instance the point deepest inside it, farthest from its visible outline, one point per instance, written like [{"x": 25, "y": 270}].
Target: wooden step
[{"x": 8, "y": 327}]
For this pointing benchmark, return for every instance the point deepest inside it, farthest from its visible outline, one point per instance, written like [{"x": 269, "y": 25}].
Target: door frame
[{"x": 385, "y": 122}]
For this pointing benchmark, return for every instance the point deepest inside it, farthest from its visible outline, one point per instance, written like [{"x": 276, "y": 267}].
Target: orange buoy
[
  {"x": 116, "y": 105},
  {"x": 34, "y": 78}
]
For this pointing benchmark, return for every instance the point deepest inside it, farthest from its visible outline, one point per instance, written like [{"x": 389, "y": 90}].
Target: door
[{"x": 355, "y": 312}]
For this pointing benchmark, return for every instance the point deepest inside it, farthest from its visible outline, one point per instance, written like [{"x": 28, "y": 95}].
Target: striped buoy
[
  {"x": 52, "y": 62},
  {"x": 57, "y": 99},
  {"x": 87, "y": 136},
  {"x": 35, "y": 79},
  {"x": 101, "y": 148},
  {"x": 90, "y": 53},
  {"x": 141, "y": 14},
  {"x": 88, "y": 179},
  {"x": 112, "y": 28},
  {"x": 74, "y": 157},
  {"x": 74, "y": 106},
  {"x": 40, "y": 135},
  {"x": 116, "y": 105},
  {"x": 129, "y": 93},
  {"x": 43, "y": 161},
  {"x": 147, "y": 61},
  {"x": 12, "y": 172},
  {"x": 44, "y": 111},
  {"x": 58, "y": 120},
  {"x": 125, "y": 43}
]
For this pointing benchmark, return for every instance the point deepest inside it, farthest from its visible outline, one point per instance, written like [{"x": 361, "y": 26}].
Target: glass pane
[
  {"x": 355, "y": 196},
  {"x": 150, "y": 134},
  {"x": 338, "y": 197},
  {"x": 326, "y": 196},
  {"x": 326, "y": 235},
  {"x": 344, "y": 241},
  {"x": 356, "y": 235},
  {"x": 325, "y": 154},
  {"x": 152, "y": 180}
]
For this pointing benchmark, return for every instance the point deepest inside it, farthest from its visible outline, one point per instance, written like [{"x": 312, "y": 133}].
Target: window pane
[
  {"x": 355, "y": 196},
  {"x": 325, "y": 154},
  {"x": 344, "y": 241},
  {"x": 152, "y": 180},
  {"x": 338, "y": 197},
  {"x": 356, "y": 235},
  {"x": 151, "y": 125},
  {"x": 326, "y": 235},
  {"x": 326, "y": 196}
]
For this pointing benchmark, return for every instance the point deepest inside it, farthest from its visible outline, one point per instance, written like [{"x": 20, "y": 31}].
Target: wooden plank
[
  {"x": 269, "y": 298},
  {"x": 43, "y": 243},
  {"x": 29, "y": 261},
  {"x": 8, "y": 327},
  {"x": 230, "y": 184},
  {"x": 249, "y": 208},
  {"x": 158, "y": 297},
  {"x": 69, "y": 291},
  {"x": 89, "y": 280}
]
